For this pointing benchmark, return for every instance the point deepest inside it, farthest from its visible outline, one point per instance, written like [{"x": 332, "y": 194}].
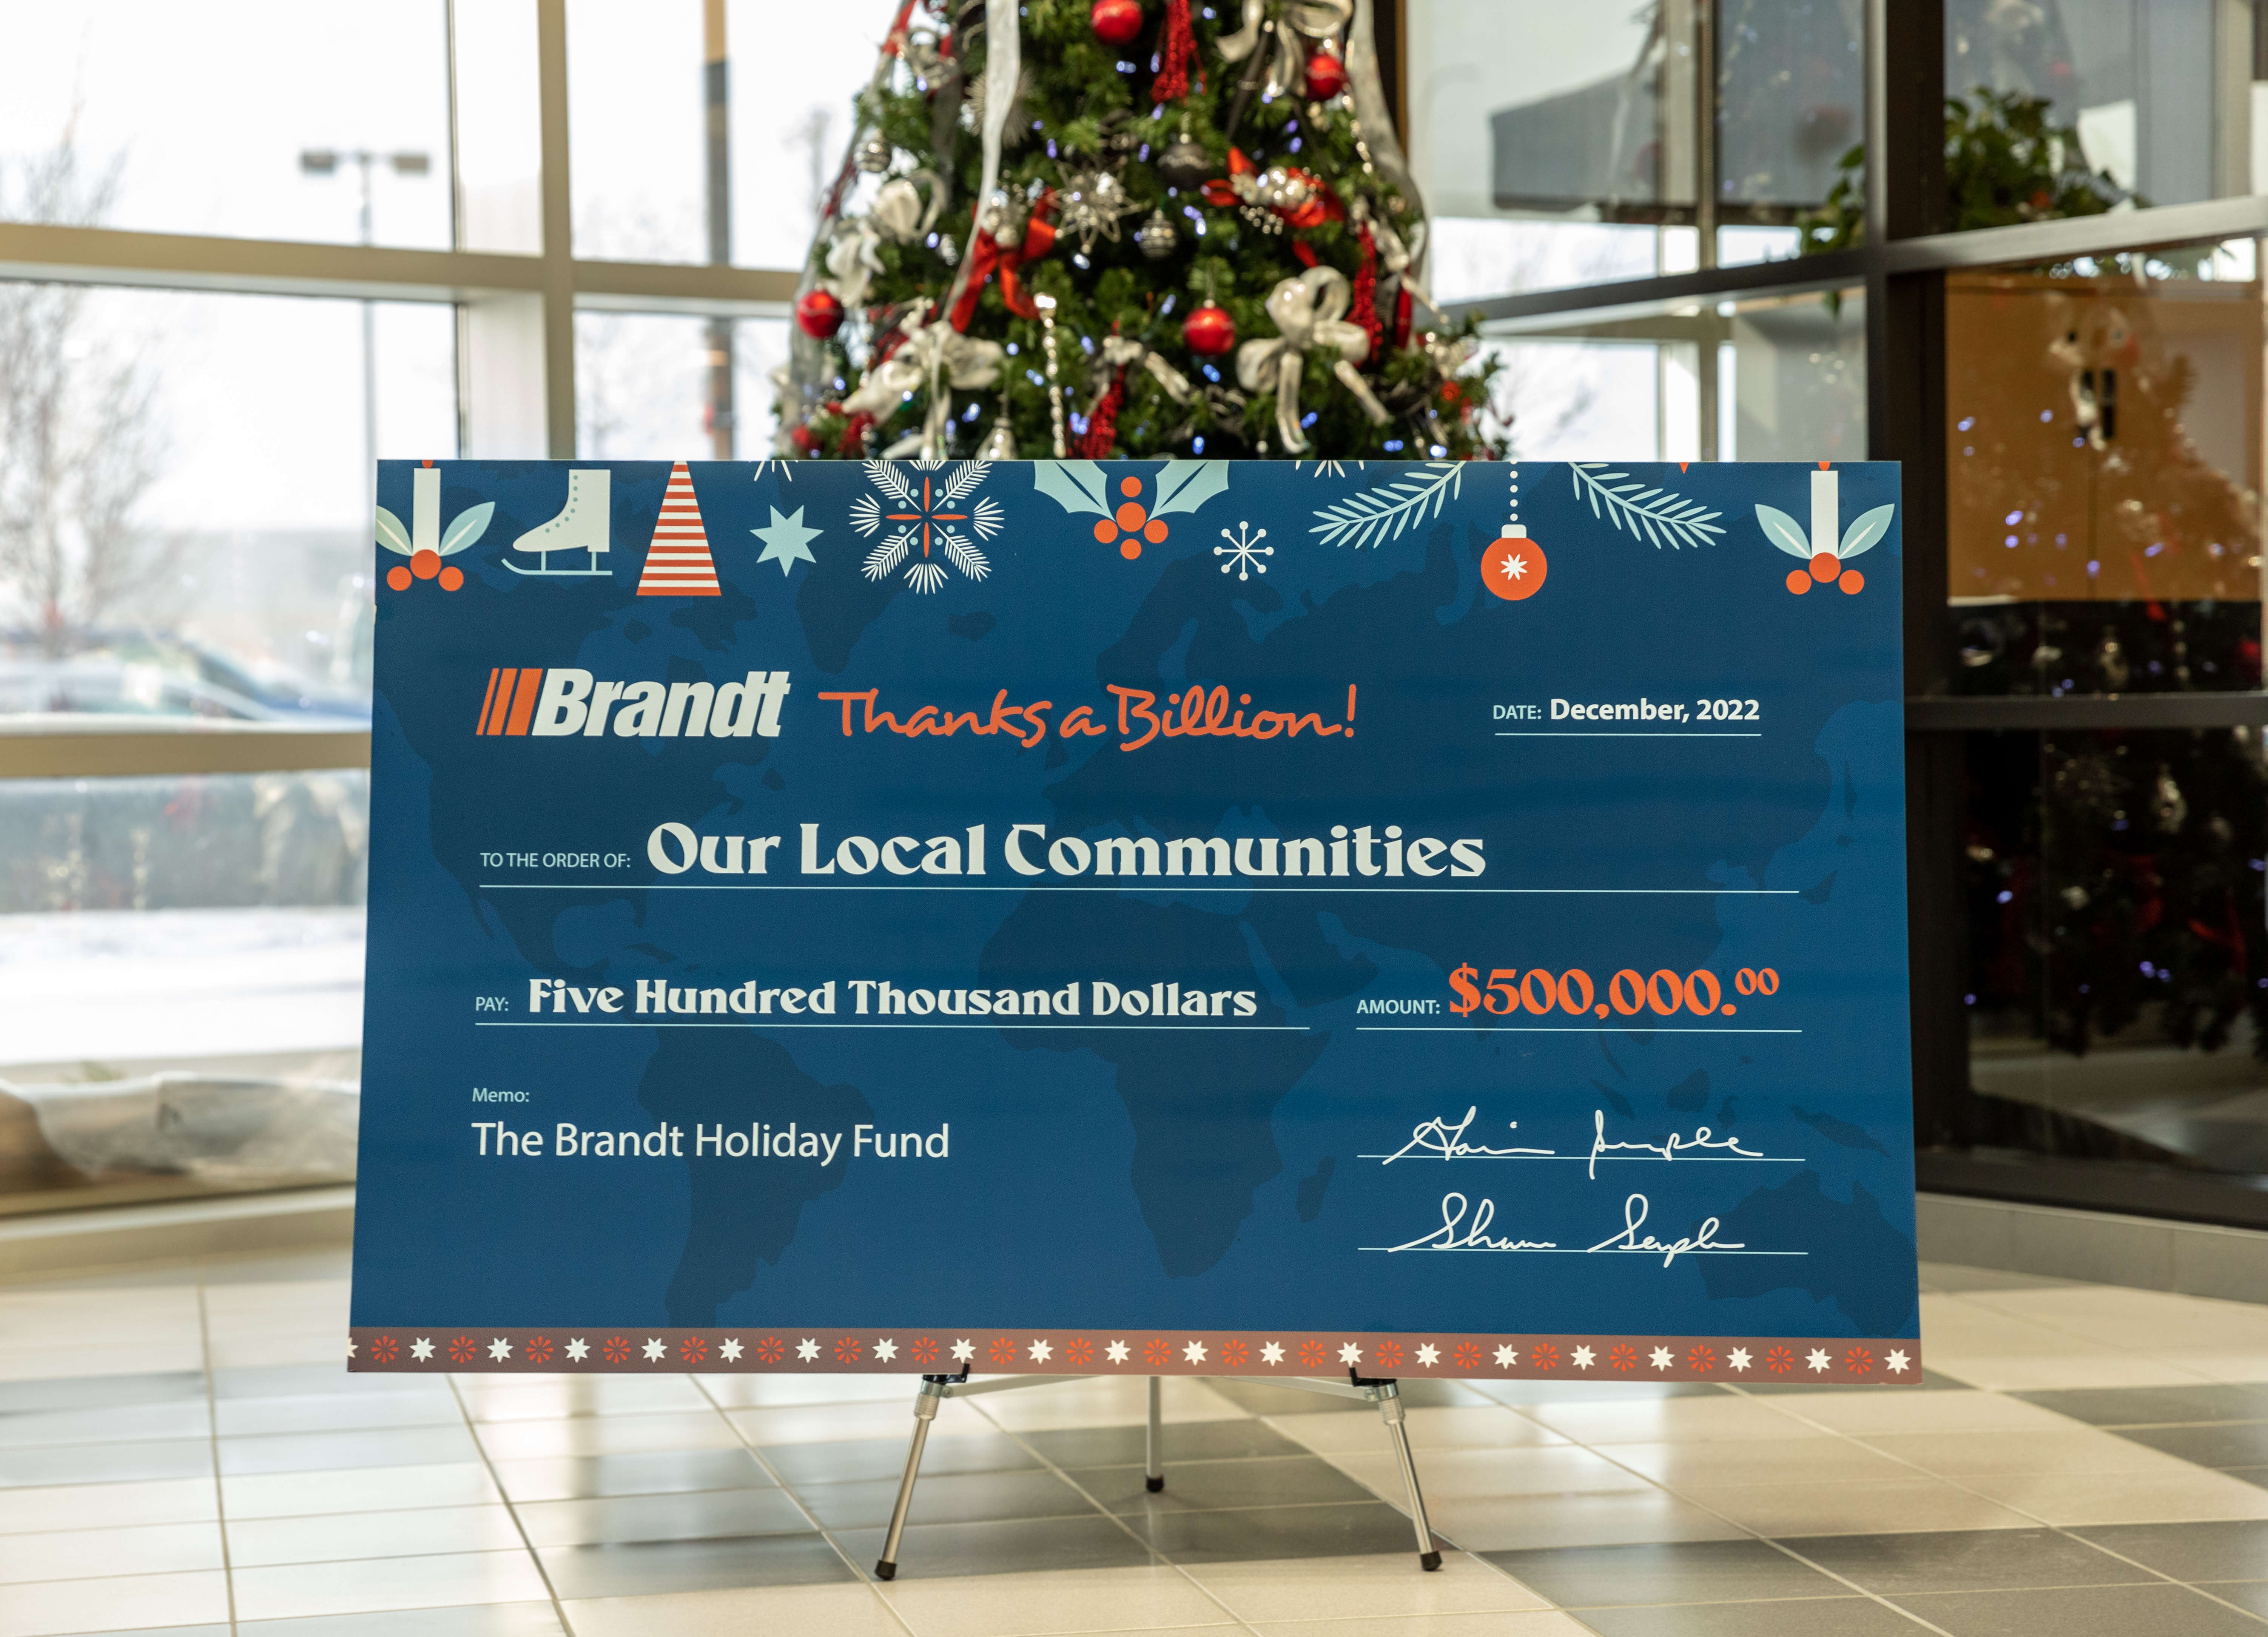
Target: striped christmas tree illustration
[{"x": 678, "y": 564}]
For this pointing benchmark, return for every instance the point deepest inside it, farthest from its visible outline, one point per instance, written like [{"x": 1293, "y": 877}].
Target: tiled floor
[{"x": 180, "y": 1455}]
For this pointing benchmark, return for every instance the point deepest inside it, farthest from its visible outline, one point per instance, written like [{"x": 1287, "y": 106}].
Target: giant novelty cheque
[{"x": 1420, "y": 919}]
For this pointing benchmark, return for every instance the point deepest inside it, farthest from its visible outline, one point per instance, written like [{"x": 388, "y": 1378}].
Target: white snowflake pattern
[
  {"x": 1507, "y": 1357},
  {"x": 1429, "y": 1355},
  {"x": 1349, "y": 1355},
  {"x": 578, "y": 1350},
  {"x": 730, "y": 1352},
  {"x": 421, "y": 1349},
  {"x": 1738, "y": 1358},
  {"x": 1896, "y": 1362},
  {"x": 654, "y": 1348},
  {"x": 1244, "y": 551},
  {"x": 1041, "y": 1352},
  {"x": 499, "y": 1350},
  {"x": 1661, "y": 1359},
  {"x": 1583, "y": 1357},
  {"x": 1194, "y": 1353},
  {"x": 1117, "y": 1352},
  {"x": 963, "y": 1350},
  {"x": 807, "y": 1349},
  {"x": 1271, "y": 1353},
  {"x": 350, "y": 1347},
  {"x": 1818, "y": 1359},
  {"x": 1329, "y": 468},
  {"x": 928, "y": 515},
  {"x": 885, "y": 1349}
]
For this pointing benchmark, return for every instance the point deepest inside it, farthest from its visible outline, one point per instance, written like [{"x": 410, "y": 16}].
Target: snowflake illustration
[
  {"x": 1583, "y": 1358},
  {"x": 1896, "y": 1361},
  {"x": 1349, "y": 1355},
  {"x": 1858, "y": 1360},
  {"x": 1429, "y": 1355},
  {"x": 421, "y": 1349},
  {"x": 1158, "y": 1350},
  {"x": 1195, "y": 1353},
  {"x": 928, "y": 517},
  {"x": 1244, "y": 551},
  {"x": 499, "y": 1350},
  {"x": 1622, "y": 1357},
  {"x": 464, "y": 1349},
  {"x": 1660, "y": 1358},
  {"x": 1389, "y": 1355},
  {"x": 729, "y": 1350},
  {"x": 1818, "y": 1359},
  {"x": 577, "y": 1349},
  {"x": 885, "y": 1349},
  {"x": 1078, "y": 1353},
  {"x": 1701, "y": 1360},
  {"x": 924, "y": 1351},
  {"x": 1004, "y": 1350},
  {"x": 771, "y": 1350},
  {"x": 847, "y": 1349},
  {"x": 1271, "y": 1353},
  {"x": 807, "y": 1351},
  {"x": 1779, "y": 1360},
  {"x": 1041, "y": 1350},
  {"x": 539, "y": 1349},
  {"x": 692, "y": 1350},
  {"x": 1117, "y": 1353},
  {"x": 1738, "y": 1358},
  {"x": 1233, "y": 1354},
  {"x": 1312, "y": 1353},
  {"x": 385, "y": 1349},
  {"x": 616, "y": 1349},
  {"x": 1543, "y": 1356},
  {"x": 655, "y": 1349}
]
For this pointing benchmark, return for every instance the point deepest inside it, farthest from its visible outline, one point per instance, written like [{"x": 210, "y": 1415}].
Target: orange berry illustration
[
  {"x": 1825, "y": 566},
  {"x": 1852, "y": 581},
  {"x": 1132, "y": 520},
  {"x": 398, "y": 578},
  {"x": 425, "y": 564},
  {"x": 1799, "y": 580},
  {"x": 451, "y": 578}
]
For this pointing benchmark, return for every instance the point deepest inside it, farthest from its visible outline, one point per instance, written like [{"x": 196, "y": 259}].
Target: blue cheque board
[{"x": 1428, "y": 920}]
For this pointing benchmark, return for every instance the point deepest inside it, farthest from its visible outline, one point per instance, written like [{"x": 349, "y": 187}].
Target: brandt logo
[{"x": 556, "y": 703}]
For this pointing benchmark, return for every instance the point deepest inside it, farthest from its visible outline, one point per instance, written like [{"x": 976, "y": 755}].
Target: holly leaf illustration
[
  {"x": 1866, "y": 532},
  {"x": 466, "y": 527},
  {"x": 1074, "y": 485},
  {"x": 1185, "y": 485},
  {"x": 391, "y": 535},
  {"x": 1784, "y": 532}
]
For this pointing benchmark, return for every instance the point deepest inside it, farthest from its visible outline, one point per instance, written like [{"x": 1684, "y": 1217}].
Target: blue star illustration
[{"x": 786, "y": 541}]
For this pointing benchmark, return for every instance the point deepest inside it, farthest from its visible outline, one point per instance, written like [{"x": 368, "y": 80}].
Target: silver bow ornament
[
  {"x": 1119, "y": 353},
  {"x": 1310, "y": 313},
  {"x": 935, "y": 356},
  {"x": 897, "y": 217}
]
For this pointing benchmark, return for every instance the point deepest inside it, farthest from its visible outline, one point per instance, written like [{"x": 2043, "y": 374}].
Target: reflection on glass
[
  {"x": 1791, "y": 91},
  {"x": 1792, "y": 380},
  {"x": 194, "y": 538},
  {"x": 192, "y": 119},
  {"x": 2117, "y": 977},
  {"x": 2104, "y": 446},
  {"x": 2143, "y": 83}
]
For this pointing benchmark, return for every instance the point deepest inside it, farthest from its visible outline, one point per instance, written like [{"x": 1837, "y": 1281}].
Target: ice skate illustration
[{"x": 581, "y": 526}]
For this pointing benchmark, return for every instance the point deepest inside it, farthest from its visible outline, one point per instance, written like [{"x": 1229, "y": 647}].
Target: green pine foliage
[
  {"x": 2003, "y": 164},
  {"x": 1084, "y": 104}
]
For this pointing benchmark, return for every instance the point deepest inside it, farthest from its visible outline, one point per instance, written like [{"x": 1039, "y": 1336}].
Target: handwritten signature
[
  {"x": 1668, "y": 1148},
  {"x": 1439, "y": 1137},
  {"x": 1634, "y": 1210},
  {"x": 1456, "y": 1234},
  {"x": 1453, "y": 1235}
]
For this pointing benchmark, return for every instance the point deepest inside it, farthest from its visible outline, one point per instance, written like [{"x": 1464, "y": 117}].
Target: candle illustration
[{"x": 1827, "y": 550}]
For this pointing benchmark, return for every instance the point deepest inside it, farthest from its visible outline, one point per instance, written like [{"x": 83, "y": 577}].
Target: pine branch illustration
[
  {"x": 1377, "y": 515},
  {"x": 1651, "y": 514},
  {"x": 885, "y": 557},
  {"x": 970, "y": 475},
  {"x": 886, "y": 475}
]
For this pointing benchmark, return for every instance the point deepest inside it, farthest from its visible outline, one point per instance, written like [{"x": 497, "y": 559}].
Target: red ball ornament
[
  {"x": 1209, "y": 331},
  {"x": 819, "y": 313},
  {"x": 1326, "y": 77},
  {"x": 1117, "y": 22}
]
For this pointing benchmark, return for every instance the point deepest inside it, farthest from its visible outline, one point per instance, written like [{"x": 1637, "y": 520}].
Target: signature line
[
  {"x": 1164, "y": 886},
  {"x": 1534, "y": 1029},
  {"x": 1579, "y": 1250},
  {"x": 1275, "y": 1028}
]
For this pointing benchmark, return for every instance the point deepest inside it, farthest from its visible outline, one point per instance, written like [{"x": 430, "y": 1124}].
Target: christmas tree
[{"x": 1120, "y": 229}]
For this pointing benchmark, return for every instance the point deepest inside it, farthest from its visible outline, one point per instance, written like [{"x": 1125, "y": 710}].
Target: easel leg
[
  {"x": 1396, "y": 1414},
  {"x": 925, "y": 1403},
  {"x": 1153, "y": 1449}
]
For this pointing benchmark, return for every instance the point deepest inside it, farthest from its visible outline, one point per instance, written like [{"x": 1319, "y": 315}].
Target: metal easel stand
[{"x": 1381, "y": 1391}]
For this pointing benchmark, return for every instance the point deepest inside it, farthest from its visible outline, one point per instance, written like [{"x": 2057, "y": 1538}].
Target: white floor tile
[
  {"x": 117, "y": 1604},
  {"x": 301, "y": 1590}
]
